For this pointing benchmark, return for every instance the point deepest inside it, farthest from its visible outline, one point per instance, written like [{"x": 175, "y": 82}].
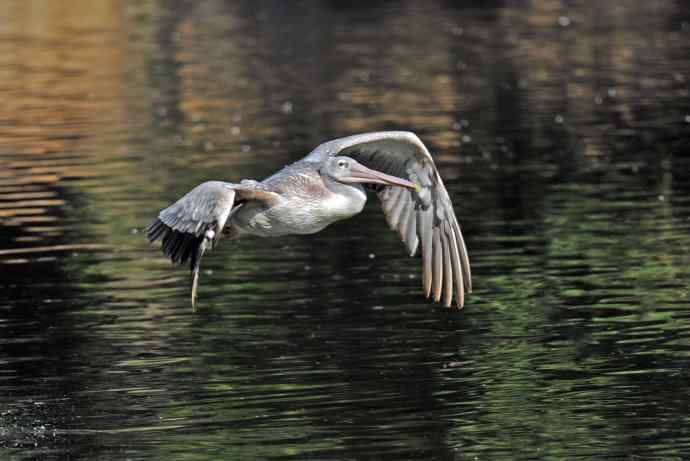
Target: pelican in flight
[{"x": 328, "y": 185}]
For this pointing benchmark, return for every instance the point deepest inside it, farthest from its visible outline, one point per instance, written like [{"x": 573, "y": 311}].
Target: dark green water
[{"x": 563, "y": 132}]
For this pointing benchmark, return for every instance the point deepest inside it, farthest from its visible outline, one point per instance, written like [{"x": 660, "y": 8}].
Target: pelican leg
[{"x": 195, "y": 263}]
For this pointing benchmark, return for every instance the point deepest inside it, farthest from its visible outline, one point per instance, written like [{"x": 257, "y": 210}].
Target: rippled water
[{"x": 563, "y": 129}]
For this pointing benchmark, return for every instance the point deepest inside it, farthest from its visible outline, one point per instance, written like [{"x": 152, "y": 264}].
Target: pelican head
[{"x": 347, "y": 170}]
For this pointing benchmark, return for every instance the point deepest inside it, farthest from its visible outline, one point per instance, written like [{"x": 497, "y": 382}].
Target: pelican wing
[
  {"x": 200, "y": 214},
  {"x": 422, "y": 218},
  {"x": 194, "y": 223}
]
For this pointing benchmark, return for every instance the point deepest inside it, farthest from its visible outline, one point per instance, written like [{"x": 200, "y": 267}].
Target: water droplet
[
  {"x": 372, "y": 256},
  {"x": 612, "y": 92},
  {"x": 286, "y": 107},
  {"x": 661, "y": 198},
  {"x": 558, "y": 119},
  {"x": 564, "y": 21}
]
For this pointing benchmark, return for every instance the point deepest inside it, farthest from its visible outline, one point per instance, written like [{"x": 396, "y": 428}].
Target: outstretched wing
[
  {"x": 195, "y": 222},
  {"x": 423, "y": 217},
  {"x": 199, "y": 215}
]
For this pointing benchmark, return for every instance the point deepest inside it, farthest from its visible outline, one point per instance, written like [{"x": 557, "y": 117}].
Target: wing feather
[
  {"x": 455, "y": 261},
  {"x": 194, "y": 223},
  {"x": 389, "y": 198},
  {"x": 464, "y": 258},
  {"x": 406, "y": 214},
  {"x": 425, "y": 219},
  {"x": 447, "y": 266},
  {"x": 396, "y": 212},
  {"x": 410, "y": 236},
  {"x": 437, "y": 274}
]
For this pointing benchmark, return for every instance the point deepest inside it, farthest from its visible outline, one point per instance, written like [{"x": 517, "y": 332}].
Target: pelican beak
[{"x": 360, "y": 173}]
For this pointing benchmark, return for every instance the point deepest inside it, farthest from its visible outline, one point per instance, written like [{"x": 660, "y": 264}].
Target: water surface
[{"x": 563, "y": 132}]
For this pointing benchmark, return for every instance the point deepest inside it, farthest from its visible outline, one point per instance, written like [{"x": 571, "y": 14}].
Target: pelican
[{"x": 328, "y": 185}]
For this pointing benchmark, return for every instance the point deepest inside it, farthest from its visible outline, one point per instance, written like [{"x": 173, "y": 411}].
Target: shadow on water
[{"x": 561, "y": 130}]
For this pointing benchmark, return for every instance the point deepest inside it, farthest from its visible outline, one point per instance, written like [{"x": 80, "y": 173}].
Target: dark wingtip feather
[
  {"x": 155, "y": 230},
  {"x": 180, "y": 247}
]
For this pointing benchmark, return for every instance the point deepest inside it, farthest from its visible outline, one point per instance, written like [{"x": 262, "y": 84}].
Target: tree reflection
[{"x": 561, "y": 129}]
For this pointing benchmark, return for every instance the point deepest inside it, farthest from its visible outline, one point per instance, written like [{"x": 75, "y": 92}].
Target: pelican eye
[{"x": 343, "y": 164}]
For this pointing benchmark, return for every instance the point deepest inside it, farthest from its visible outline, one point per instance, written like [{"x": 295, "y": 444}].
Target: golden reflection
[
  {"x": 396, "y": 82},
  {"x": 60, "y": 86},
  {"x": 221, "y": 95},
  {"x": 585, "y": 64}
]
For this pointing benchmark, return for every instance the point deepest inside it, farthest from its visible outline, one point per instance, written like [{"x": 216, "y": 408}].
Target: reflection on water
[{"x": 563, "y": 129}]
